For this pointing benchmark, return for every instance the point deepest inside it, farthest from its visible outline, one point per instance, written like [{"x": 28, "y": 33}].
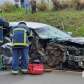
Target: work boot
[
  {"x": 15, "y": 72},
  {"x": 24, "y": 71}
]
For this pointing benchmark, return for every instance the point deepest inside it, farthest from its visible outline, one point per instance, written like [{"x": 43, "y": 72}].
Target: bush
[
  {"x": 7, "y": 7},
  {"x": 62, "y": 4},
  {"x": 42, "y": 6},
  {"x": 80, "y": 4},
  {"x": 56, "y": 4}
]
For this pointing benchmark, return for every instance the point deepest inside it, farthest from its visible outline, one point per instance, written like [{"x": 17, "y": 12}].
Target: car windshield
[{"x": 51, "y": 32}]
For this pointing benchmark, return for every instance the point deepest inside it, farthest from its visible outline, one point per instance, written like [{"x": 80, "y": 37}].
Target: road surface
[{"x": 56, "y": 77}]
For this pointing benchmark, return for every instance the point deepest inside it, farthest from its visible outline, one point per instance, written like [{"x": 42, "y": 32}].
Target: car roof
[
  {"x": 35, "y": 25},
  {"x": 32, "y": 25}
]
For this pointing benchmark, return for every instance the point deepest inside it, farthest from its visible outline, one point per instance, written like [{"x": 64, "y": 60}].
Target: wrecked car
[{"x": 55, "y": 47}]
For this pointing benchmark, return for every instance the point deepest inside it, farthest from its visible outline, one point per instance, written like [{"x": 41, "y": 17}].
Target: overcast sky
[{"x": 2, "y": 1}]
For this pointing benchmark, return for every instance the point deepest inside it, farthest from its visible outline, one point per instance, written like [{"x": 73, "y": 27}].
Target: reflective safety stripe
[
  {"x": 1, "y": 27},
  {"x": 19, "y": 29},
  {"x": 21, "y": 44},
  {"x": 31, "y": 34},
  {"x": 1, "y": 41},
  {"x": 30, "y": 43}
]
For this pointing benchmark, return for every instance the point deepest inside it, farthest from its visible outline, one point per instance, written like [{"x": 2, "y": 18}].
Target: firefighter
[
  {"x": 20, "y": 39},
  {"x": 4, "y": 30},
  {"x": 33, "y": 6},
  {"x": 4, "y": 34}
]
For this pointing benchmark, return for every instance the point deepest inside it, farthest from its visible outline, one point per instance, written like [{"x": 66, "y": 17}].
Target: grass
[{"x": 72, "y": 20}]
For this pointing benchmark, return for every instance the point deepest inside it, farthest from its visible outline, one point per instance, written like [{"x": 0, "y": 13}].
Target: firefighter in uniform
[
  {"x": 20, "y": 39},
  {"x": 4, "y": 34},
  {"x": 4, "y": 30}
]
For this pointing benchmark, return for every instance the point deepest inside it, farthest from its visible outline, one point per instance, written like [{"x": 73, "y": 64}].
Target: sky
[{"x": 2, "y": 1}]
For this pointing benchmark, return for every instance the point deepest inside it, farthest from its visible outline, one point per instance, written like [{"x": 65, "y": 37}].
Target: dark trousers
[{"x": 23, "y": 62}]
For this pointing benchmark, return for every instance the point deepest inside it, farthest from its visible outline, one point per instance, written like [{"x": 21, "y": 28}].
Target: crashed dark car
[{"x": 56, "y": 47}]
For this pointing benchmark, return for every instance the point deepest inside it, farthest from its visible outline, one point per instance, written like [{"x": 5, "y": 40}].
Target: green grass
[{"x": 72, "y": 20}]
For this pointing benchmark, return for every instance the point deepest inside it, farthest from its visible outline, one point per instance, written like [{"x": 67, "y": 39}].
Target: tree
[{"x": 56, "y": 4}]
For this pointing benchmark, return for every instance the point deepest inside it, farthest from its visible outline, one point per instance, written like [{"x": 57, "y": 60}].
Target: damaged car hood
[{"x": 78, "y": 40}]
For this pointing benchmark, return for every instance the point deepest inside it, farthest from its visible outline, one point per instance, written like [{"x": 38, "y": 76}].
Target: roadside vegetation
[{"x": 69, "y": 20}]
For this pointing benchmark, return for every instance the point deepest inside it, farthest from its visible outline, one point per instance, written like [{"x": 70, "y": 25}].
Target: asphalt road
[{"x": 56, "y": 77}]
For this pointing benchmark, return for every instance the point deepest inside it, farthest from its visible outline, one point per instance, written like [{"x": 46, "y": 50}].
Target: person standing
[
  {"x": 26, "y": 5},
  {"x": 33, "y": 6},
  {"x": 4, "y": 30},
  {"x": 21, "y": 33},
  {"x": 4, "y": 34},
  {"x": 22, "y": 3},
  {"x": 17, "y": 3}
]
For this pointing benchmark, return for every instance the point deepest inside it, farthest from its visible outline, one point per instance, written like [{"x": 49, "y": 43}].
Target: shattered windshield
[{"x": 51, "y": 32}]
